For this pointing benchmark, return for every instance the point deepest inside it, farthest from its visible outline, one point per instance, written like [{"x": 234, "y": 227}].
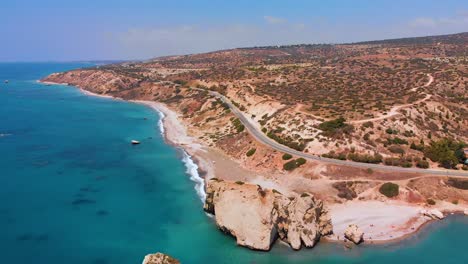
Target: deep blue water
[{"x": 73, "y": 190}]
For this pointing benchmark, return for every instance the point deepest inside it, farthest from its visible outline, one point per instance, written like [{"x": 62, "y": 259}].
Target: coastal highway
[{"x": 261, "y": 137}]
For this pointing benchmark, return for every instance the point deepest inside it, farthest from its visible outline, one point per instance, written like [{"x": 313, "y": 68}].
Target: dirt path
[{"x": 395, "y": 110}]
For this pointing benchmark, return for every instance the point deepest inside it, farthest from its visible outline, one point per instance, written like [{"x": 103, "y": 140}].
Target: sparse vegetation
[{"x": 238, "y": 125}]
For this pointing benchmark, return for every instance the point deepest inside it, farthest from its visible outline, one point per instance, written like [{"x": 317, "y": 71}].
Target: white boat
[
  {"x": 6, "y": 81},
  {"x": 135, "y": 142}
]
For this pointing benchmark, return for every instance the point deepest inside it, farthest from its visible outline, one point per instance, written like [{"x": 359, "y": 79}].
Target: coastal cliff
[{"x": 257, "y": 216}]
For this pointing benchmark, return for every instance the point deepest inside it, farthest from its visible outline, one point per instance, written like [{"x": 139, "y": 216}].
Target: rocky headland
[{"x": 256, "y": 217}]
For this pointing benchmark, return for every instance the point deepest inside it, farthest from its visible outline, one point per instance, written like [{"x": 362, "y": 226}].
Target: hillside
[{"x": 390, "y": 102}]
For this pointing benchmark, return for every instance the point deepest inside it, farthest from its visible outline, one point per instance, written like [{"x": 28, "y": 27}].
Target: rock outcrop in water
[
  {"x": 159, "y": 258},
  {"x": 257, "y": 217},
  {"x": 354, "y": 234}
]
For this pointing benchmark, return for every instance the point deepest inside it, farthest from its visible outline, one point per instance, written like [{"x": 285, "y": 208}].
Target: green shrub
[
  {"x": 365, "y": 158},
  {"x": 286, "y": 156},
  {"x": 292, "y": 164},
  {"x": 417, "y": 147},
  {"x": 240, "y": 182},
  {"x": 250, "y": 152},
  {"x": 446, "y": 152},
  {"x": 391, "y": 131},
  {"x": 458, "y": 183},
  {"x": 300, "y": 161},
  {"x": 423, "y": 164},
  {"x": 238, "y": 125},
  {"x": 396, "y": 150},
  {"x": 430, "y": 201},
  {"x": 397, "y": 141},
  {"x": 389, "y": 189},
  {"x": 336, "y": 127}
]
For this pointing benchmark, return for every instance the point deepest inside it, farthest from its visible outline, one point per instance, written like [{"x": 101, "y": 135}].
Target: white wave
[
  {"x": 192, "y": 170},
  {"x": 161, "y": 121}
]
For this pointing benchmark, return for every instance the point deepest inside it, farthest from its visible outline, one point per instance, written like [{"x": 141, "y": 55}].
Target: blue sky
[{"x": 51, "y": 30}]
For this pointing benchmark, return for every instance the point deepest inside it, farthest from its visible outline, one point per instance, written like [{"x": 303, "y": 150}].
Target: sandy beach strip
[{"x": 380, "y": 221}]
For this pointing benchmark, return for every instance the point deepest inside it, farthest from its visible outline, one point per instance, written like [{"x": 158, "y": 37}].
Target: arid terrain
[{"x": 397, "y": 103}]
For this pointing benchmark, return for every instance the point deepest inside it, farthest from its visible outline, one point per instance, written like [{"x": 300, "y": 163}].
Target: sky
[{"x": 62, "y": 30}]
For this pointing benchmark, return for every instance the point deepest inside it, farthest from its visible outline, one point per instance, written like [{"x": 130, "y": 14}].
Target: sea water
[{"x": 74, "y": 190}]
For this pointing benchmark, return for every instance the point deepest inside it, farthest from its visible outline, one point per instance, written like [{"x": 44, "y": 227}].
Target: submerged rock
[
  {"x": 256, "y": 217},
  {"x": 354, "y": 234},
  {"x": 159, "y": 258}
]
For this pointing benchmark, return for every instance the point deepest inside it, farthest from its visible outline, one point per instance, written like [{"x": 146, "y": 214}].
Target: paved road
[{"x": 261, "y": 137}]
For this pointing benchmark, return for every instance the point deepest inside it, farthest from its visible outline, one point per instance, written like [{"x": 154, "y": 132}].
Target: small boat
[
  {"x": 135, "y": 142},
  {"x": 6, "y": 81}
]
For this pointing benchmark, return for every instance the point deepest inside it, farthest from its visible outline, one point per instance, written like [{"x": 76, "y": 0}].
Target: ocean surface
[{"x": 74, "y": 190}]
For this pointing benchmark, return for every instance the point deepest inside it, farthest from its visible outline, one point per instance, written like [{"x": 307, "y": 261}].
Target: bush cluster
[
  {"x": 292, "y": 164},
  {"x": 238, "y": 125},
  {"x": 447, "y": 152},
  {"x": 335, "y": 128},
  {"x": 389, "y": 189}
]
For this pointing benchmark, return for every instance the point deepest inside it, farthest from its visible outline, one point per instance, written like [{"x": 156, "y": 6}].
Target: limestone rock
[
  {"x": 159, "y": 258},
  {"x": 354, "y": 234},
  {"x": 465, "y": 212},
  {"x": 433, "y": 213},
  {"x": 256, "y": 216}
]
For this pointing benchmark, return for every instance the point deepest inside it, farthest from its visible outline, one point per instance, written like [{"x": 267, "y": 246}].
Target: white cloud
[
  {"x": 423, "y": 22},
  {"x": 274, "y": 20},
  {"x": 426, "y": 22}
]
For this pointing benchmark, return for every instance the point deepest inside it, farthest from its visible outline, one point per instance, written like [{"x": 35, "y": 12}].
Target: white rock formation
[
  {"x": 257, "y": 217},
  {"x": 354, "y": 234},
  {"x": 433, "y": 213}
]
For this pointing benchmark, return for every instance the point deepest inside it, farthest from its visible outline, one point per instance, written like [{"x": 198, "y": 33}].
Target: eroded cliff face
[{"x": 257, "y": 217}]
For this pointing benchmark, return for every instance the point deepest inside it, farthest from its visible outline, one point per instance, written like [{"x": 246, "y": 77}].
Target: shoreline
[{"x": 199, "y": 161}]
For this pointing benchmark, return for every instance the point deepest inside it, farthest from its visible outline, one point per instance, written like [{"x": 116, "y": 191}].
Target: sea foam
[
  {"x": 160, "y": 122},
  {"x": 190, "y": 165},
  {"x": 192, "y": 170}
]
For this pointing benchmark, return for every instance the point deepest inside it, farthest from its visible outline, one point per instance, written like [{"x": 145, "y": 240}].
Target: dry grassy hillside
[{"x": 398, "y": 102}]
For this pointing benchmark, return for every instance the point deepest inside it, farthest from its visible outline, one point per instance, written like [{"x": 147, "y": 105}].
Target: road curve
[{"x": 261, "y": 137}]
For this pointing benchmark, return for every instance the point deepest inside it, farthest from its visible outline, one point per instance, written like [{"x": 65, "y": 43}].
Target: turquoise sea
[{"x": 73, "y": 190}]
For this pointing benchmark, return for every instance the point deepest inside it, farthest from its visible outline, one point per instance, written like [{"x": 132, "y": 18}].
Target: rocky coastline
[{"x": 256, "y": 215}]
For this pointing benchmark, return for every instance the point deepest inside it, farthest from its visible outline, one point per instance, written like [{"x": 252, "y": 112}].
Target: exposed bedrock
[
  {"x": 256, "y": 217},
  {"x": 159, "y": 258},
  {"x": 354, "y": 234}
]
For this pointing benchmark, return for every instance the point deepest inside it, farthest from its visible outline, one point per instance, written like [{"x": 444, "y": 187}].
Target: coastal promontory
[{"x": 257, "y": 216}]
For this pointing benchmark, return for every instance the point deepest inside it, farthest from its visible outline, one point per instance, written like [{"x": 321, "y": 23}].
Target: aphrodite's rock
[
  {"x": 256, "y": 216},
  {"x": 301, "y": 220},
  {"x": 354, "y": 234},
  {"x": 159, "y": 258},
  {"x": 433, "y": 213}
]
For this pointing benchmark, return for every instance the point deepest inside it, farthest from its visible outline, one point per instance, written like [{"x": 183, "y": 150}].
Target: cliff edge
[{"x": 256, "y": 217}]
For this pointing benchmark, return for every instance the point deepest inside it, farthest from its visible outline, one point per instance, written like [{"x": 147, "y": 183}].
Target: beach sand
[{"x": 380, "y": 221}]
